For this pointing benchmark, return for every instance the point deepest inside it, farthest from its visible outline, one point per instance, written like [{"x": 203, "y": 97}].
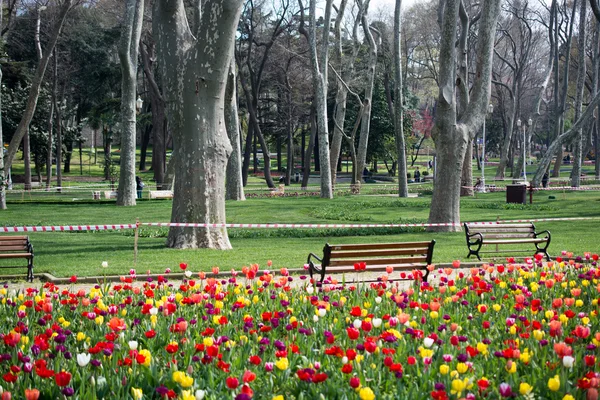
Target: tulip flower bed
[{"x": 514, "y": 330}]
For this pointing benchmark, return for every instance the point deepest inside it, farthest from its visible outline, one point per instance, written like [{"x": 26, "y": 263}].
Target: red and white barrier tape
[
  {"x": 66, "y": 228},
  {"x": 278, "y": 226},
  {"x": 76, "y": 228}
]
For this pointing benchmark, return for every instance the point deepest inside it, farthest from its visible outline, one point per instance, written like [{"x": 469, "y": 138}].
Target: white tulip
[
  {"x": 377, "y": 322},
  {"x": 568, "y": 361},
  {"x": 133, "y": 345},
  {"x": 316, "y": 318},
  {"x": 378, "y": 300},
  {"x": 83, "y": 359},
  {"x": 345, "y": 360},
  {"x": 428, "y": 342},
  {"x": 104, "y": 264},
  {"x": 357, "y": 323},
  {"x": 188, "y": 274},
  {"x": 200, "y": 394},
  {"x": 310, "y": 289},
  {"x": 154, "y": 311},
  {"x": 322, "y": 312}
]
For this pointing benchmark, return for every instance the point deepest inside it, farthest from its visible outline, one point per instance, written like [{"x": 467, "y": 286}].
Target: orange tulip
[
  {"x": 434, "y": 305},
  {"x": 215, "y": 270},
  {"x": 575, "y": 292},
  {"x": 32, "y": 394},
  {"x": 557, "y": 303},
  {"x": 202, "y": 275},
  {"x": 569, "y": 301},
  {"x": 117, "y": 324},
  {"x": 389, "y": 269}
]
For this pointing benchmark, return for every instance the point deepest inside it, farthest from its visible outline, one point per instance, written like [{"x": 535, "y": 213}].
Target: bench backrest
[
  {"x": 378, "y": 253},
  {"x": 500, "y": 231},
  {"x": 14, "y": 244}
]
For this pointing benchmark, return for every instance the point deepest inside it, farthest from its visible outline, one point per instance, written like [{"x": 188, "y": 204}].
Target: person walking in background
[
  {"x": 417, "y": 175},
  {"x": 139, "y": 186}
]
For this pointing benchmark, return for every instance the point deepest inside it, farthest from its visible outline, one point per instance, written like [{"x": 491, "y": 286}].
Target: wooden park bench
[
  {"x": 497, "y": 235},
  {"x": 17, "y": 247},
  {"x": 340, "y": 258},
  {"x": 161, "y": 194}
]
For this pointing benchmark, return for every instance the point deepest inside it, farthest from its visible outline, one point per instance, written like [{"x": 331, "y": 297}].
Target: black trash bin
[{"x": 516, "y": 194}]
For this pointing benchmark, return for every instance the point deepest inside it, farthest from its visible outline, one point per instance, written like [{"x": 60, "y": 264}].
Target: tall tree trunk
[
  {"x": 290, "y": 137},
  {"x": 247, "y": 153},
  {"x": 147, "y": 132},
  {"x": 466, "y": 175},
  {"x": 159, "y": 118},
  {"x": 36, "y": 84},
  {"x": 195, "y": 75},
  {"x": 341, "y": 95},
  {"x": 311, "y": 145},
  {"x": 452, "y": 135},
  {"x": 234, "y": 188},
  {"x": 581, "y": 76},
  {"x": 128, "y": 56},
  {"x": 398, "y": 104},
  {"x": 58, "y": 101},
  {"x": 27, "y": 160},
  {"x": 319, "y": 67},
  {"x": 50, "y": 152},
  {"x": 363, "y": 139}
]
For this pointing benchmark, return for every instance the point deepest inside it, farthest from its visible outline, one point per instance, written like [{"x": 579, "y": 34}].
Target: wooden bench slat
[
  {"x": 514, "y": 241},
  {"x": 12, "y": 248},
  {"x": 368, "y": 246},
  {"x": 381, "y": 261},
  {"x": 12, "y": 238},
  {"x": 398, "y": 267},
  {"x": 15, "y": 255},
  {"x": 376, "y": 253}
]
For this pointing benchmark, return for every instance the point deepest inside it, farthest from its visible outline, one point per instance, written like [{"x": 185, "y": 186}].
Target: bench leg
[
  {"x": 543, "y": 250},
  {"x": 30, "y": 270},
  {"x": 475, "y": 253}
]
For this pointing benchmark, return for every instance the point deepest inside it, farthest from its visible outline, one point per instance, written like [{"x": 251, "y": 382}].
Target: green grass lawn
[{"x": 65, "y": 254}]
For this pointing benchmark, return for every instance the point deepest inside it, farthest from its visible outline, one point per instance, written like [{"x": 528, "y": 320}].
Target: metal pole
[
  {"x": 524, "y": 154},
  {"x": 483, "y": 160}
]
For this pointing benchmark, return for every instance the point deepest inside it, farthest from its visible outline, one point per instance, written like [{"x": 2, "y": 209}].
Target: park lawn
[{"x": 82, "y": 253}]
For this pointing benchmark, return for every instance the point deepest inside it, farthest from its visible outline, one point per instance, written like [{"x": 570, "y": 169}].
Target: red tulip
[
  {"x": 63, "y": 378},
  {"x": 248, "y": 376},
  {"x": 232, "y": 382},
  {"x": 353, "y": 333},
  {"x": 354, "y": 382}
]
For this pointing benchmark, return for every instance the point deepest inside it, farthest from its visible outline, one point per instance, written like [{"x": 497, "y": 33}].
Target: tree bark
[
  {"x": 363, "y": 139},
  {"x": 451, "y": 135},
  {"x": 128, "y": 56},
  {"x": 195, "y": 76},
  {"x": 36, "y": 84},
  {"x": 581, "y": 76},
  {"x": 341, "y": 94},
  {"x": 398, "y": 104},
  {"x": 319, "y": 65},
  {"x": 159, "y": 118},
  {"x": 234, "y": 188}
]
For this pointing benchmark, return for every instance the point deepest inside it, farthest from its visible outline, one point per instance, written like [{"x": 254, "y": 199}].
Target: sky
[{"x": 391, "y": 4}]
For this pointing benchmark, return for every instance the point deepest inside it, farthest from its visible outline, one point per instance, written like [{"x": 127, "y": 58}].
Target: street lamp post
[
  {"x": 490, "y": 110},
  {"x": 519, "y": 124}
]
